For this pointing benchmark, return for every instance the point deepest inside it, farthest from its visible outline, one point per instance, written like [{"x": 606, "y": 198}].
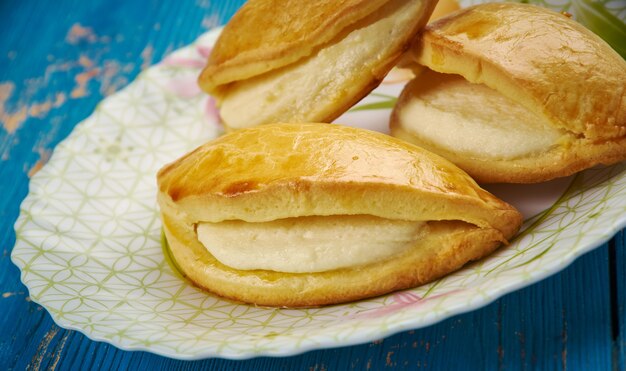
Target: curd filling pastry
[
  {"x": 473, "y": 119},
  {"x": 514, "y": 93},
  {"x": 293, "y": 61},
  {"x": 308, "y": 243},
  {"x": 306, "y": 214}
]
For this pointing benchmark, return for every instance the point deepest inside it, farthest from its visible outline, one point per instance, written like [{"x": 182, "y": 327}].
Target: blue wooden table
[{"x": 59, "y": 59}]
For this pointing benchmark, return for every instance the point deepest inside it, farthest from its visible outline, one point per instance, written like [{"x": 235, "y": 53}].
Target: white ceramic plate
[{"x": 88, "y": 237}]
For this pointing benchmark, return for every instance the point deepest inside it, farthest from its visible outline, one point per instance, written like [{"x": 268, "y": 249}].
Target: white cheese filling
[
  {"x": 473, "y": 119},
  {"x": 307, "y": 244}
]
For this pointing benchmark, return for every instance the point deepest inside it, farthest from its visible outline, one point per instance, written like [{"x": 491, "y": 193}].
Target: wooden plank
[
  {"x": 562, "y": 322},
  {"x": 618, "y": 299}
]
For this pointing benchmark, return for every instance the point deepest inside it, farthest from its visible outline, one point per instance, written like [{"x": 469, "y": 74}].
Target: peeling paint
[
  {"x": 78, "y": 33},
  {"x": 9, "y": 294},
  {"x": 85, "y": 62},
  {"x": 44, "y": 156},
  {"x": 82, "y": 79},
  {"x": 59, "y": 351},
  {"x": 111, "y": 80},
  {"x": 388, "y": 360},
  {"x": 41, "y": 109},
  {"x": 109, "y": 75},
  {"x": 146, "y": 56},
  {"x": 35, "y": 362},
  {"x": 58, "y": 67},
  {"x": 10, "y": 121},
  {"x": 87, "y": 68}
]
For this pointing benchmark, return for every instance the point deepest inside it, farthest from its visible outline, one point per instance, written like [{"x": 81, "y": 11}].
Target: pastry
[
  {"x": 306, "y": 214},
  {"x": 443, "y": 8},
  {"x": 514, "y": 93},
  {"x": 306, "y": 61}
]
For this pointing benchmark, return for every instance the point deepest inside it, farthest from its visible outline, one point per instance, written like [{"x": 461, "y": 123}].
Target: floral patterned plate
[{"x": 89, "y": 235}]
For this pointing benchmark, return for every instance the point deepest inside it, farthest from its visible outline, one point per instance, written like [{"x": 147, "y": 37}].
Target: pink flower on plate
[
  {"x": 184, "y": 87},
  {"x": 204, "y": 51},
  {"x": 198, "y": 61},
  {"x": 187, "y": 87},
  {"x": 211, "y": 112},
  {"x": 401, "y": 300}
]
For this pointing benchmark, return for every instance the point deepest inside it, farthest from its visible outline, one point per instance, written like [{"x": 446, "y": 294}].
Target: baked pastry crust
[
  {"x": 572, "y": 153},
  {"x": 544, "y": 61},
  {"x": 291, "y": 170},
  {"x": 443, "y": 8},
  {"x": 273, "y": 54},
  {"x": 268, "y": 34}
]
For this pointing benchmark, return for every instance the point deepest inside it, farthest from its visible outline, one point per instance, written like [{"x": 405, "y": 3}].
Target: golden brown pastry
[
  {"x": 443, "y": 8},
  {"x": 306, "y": 61},
  {"x": 515, "y": 93},
  {"x": 308, "y": 214}
]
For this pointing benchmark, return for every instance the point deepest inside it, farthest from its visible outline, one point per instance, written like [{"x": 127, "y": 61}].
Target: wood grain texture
[
  {"x": 59, "y": 59},
  {"x": 617, "y": 256}
]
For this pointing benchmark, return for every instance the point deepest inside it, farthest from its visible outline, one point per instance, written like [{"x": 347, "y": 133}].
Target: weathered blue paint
[{"x": 575, "y": 319}]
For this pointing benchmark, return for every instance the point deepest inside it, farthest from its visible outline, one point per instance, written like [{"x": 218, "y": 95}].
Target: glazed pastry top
[
  {"x": 290, "y": 170},
  {"x": 268, "y": 34},
  {"x": 548, "y": 62}
]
